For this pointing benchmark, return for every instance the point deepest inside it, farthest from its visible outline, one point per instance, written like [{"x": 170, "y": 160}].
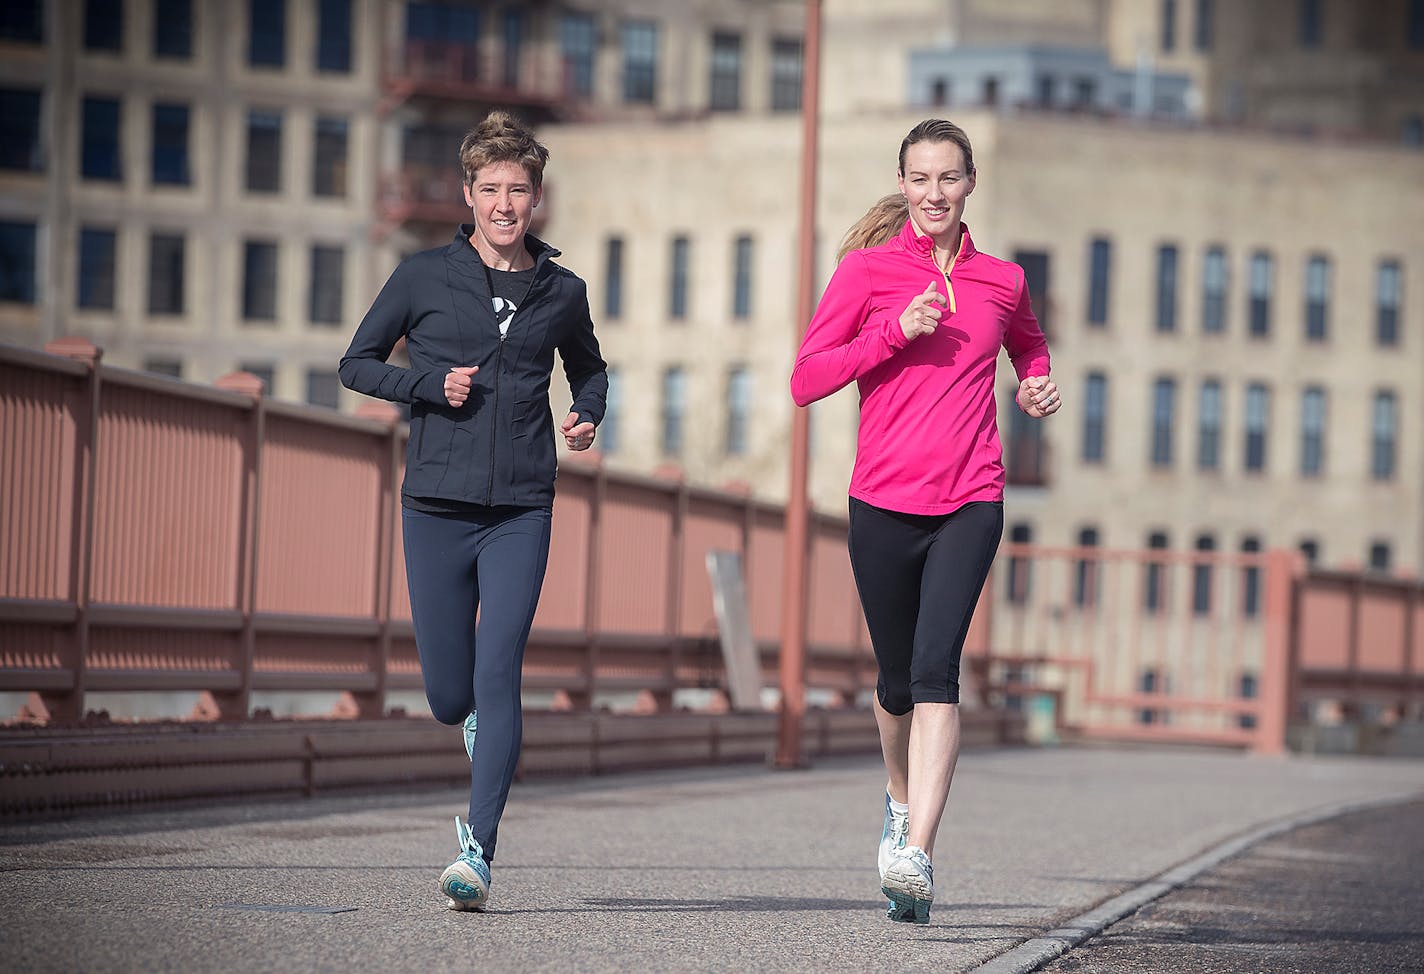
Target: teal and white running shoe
[
  {"x": 466, "y": 881},
  {"x": 909, "y": 883},
  {"x": 470, "y": 735},
  {"x": 892, "y": 840}
]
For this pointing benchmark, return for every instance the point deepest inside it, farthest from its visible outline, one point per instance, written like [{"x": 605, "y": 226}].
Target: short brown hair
[{"x": 502, "y": 138}]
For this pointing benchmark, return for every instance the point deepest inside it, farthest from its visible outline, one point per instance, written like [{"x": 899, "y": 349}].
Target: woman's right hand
[
  {"x": 921, "y": 317},
  {"x": 457, "y": 383}
]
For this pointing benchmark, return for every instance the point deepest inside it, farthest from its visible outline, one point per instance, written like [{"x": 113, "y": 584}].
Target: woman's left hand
[
  {"x": 1038, "y": 396},
  {"x": 578, "y": 436}
]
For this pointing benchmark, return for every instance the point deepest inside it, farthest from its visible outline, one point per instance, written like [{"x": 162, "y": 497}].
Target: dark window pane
[
  {"x": 1164, "y": 395},
  {"x": 97, "y": 265},
  {"x": 259, "y": 281},
  {"x": 739, "y": 407},
  {"x": 1214, "y": 276},
  {"x": 22, "y": 21},
  {"x": 267, "y": 33},
  {"x": 17, "y": 262},
  {"x": 1258, "y": 422},
  {"x": 640, "y": 61},
  {"x": 1209, "y": 426},
  {"x": 170, "y": 368},
  {"x": 1379, "y": 556},
  {"x": 1020, "y": 567},
  {"x": 1154, "y": 581},
  {"x": 1310, "y": 27},
  {"x": 1085, "y": 582},
  {"x": 20, "y": 130},
  {"x": 265, "y": 372},
  {"x": 613, "y": 279},
  {"x": 165, "y": 274},
  {"x": 1317, "y": 298},
  {"x": 327, "y": 281},
  {"x": 323, "y": 388},
  {"x": 1205, "y": 15},
  {"x": 609, "y": 429},
  {"x": 1387, "y": 301},
  {"x": 786, "y": 74},
  {"x": 677, "y": 290},
  {"x": 674, "y": 405},
  {"x": 329, "y": 171},
  {"x": 1095, "y": 411},
  {"x": 264, "y": 152},
  {"x": 1025, "y": 456},
  {"x": 1201, "y": 577},
  {"x": 333, "y": 44},
  {"x": 103, "y": 25},
  {"x": 173, "y": 28},
  {"x": 1100, "y": 264},
  {"x": 1416, "y": 25},
  {"x": 1251, "y": 579},
  {"x": 742, "y": 278},
  {"x": 513, "y": 45},
  {"x": 726, "y": 81},
  {"x": 1312, "y": 432},
  {"x": 1310, "y": 548},
  {"x": 100, "y": 156},
  {"x": 1262, "y": 274},
  {"x": 579, "y": 42},
  {"x": 170, "y": 145},
  {"x": 1035, "y": 264},
  {"x": 1166, "y": 288},
  {"x": 1169, "y": 24},
  {"x": 1384, "y": 433}
]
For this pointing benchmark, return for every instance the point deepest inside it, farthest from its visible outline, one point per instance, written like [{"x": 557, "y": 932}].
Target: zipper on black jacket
[{"x": 494, "y": 419}]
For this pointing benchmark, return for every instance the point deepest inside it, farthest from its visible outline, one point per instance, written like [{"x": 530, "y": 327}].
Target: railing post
[
  {"x": 237, "y": 705},
  {"x": 69, "y": 705},
  {"x": 1282, "y": 576}
]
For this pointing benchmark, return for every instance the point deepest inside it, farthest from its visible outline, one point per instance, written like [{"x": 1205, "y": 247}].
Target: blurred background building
[{"x": 1219, "y": 207}]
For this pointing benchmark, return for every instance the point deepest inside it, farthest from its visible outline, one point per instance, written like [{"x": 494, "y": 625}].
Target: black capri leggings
[{"x": 919, "y": 577}]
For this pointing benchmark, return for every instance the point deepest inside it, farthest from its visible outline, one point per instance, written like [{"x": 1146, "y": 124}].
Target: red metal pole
[{"x": 793, "y": 601}]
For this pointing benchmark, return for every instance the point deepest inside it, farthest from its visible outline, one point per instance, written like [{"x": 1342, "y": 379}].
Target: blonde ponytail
[{"x": 881, "y": 222}]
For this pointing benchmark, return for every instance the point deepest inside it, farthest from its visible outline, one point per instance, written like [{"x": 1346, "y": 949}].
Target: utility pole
[{"x": 793, "y": 596}]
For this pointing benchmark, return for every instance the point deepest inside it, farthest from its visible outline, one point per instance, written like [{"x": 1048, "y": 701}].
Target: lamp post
[{"x": 793, "y": 596}]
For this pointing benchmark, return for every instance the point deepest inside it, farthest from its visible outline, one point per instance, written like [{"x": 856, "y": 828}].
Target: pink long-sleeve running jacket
[{"x": 929, "y": 439}]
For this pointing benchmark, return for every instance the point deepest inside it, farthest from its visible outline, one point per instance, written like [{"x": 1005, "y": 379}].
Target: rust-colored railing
[{"x": 159, "y": 535}]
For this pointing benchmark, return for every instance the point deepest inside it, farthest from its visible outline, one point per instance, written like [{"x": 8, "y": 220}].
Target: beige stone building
[{"x": 1218, "y": 206}]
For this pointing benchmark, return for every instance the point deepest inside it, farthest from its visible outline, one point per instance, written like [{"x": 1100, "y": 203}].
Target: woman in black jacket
[{"x": 481, "y": 318}]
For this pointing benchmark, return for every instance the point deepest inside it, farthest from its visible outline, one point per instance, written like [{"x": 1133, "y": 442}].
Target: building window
[
  {"x": 323, "y": 388},
  {"x": 513, "y": 45},
  {"x": 264, "y": 152},
  {"x": 1164, "y": 397},
  {"x": 1312, "y": 432},
  {"x": 1205, "y": 27},
  {"x": 333, "y": 42},
  {"x": 580, "y": 42},
  {"x": 329, "y": 172},
  {"x": 327, "y": 282},
  {"x": 1201, "y": 575},
  {"x": 165, "y": 274},
  {"x": 1262, "y": 274},
  {"x": 1154, "y": 579},
  {"x": 726, "y": 82},
  {"x": 1045, "y": 91},
  {"x": 739, "y": 408},
  {"x": 1150, "y": 682},
  {"x": 1416, "y": 25},
  {"x": 1214, "y": 291},
  {"x": 1166, "y": 288},
  {"x": 1100, "y": 268},
  {"x": 267, "y": 33},
  {"x": 259, "y": 280},
  {"x": 263, "y": 372},
  {"x": 1387, "y": 300},
  {"x": 170, "y": 145},
  {"x": 1169, "y": 25},
  {"x": 742, "y": 277},
  {"x": 99, "y": 156},
  {"x": 1095, "y": 413},
  {"x": 17, "y": 262},
  {"x": 939, "y": 92},
  {"x": 609, "y": 429},
  {"x": 1258, "y": 421},
  {"x": 1024, "y": 460},
  {"x": 613, "y": 279},
  {"x": 990, "y": 92},
  {"x": 1411, "y": 133},
  {"x": 786, "y": 74},
  {"x": 1384, "y": 431},
  {"x": 1310, "y": 548},
  {"x": 20, "y": 130},
  {"x": 1035, "y": 264},
  {"x": 103, "y": 25},
  {"x": 1310, "y": 27},
  {"x": 22, "y": 21},
  {"x": 1209, "y": 426},
  {"x": 674, "y": 405},
  {"x": 640, "y": 62},
  {"x": 97, "y": 269},
  {"x": 169, "y": 368},
  {"x": 677, "y": 291},
  {"x": 1250, "y": 578},
  {"x": 1020, "y": 566},
  {"x": 173, "y": 28},
  {"x": 1085, "y": 577},
  {"x": 1317, "y": 298},
  {"x": 1379, "y": 557}
]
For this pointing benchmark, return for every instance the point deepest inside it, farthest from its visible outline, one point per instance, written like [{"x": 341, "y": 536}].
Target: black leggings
[{"x": 919, "y": 578}]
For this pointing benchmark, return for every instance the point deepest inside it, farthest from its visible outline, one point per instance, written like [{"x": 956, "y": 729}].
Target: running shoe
[
  {"x": 466, "y": 881},
  {"x": 470, "y": 735},
  {"x": 892, "y": 836},
  {"x": 909, "y": 883}
]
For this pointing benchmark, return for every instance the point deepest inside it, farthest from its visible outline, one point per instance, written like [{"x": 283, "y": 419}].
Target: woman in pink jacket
[{"x": 916, "y": 316}]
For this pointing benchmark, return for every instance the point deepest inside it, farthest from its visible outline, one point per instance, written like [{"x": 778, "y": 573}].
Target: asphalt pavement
[{"x": 704, "y": 870}]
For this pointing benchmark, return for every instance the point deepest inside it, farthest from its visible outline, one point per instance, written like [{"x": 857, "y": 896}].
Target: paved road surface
[{"x": 707, "y": 870}]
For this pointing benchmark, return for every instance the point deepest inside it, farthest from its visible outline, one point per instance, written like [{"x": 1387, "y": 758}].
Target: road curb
[{"x": 1033, "y": 954}]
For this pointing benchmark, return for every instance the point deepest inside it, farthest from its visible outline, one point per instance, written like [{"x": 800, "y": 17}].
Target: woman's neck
[
  {"x": 515, "y": 257},
  {"x": 946, "y": 245}
]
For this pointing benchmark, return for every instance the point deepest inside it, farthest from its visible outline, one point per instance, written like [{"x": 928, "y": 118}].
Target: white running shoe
[{"x": 909, "y": 883}]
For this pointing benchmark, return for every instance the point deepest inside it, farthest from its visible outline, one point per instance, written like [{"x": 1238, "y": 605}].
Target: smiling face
[
  {"x": 503, "y": 197},
  {"x": 935, "y": 183}
]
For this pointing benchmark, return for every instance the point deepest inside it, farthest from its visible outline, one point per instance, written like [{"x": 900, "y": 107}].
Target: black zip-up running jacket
[{"x": 498, "y": 448}]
